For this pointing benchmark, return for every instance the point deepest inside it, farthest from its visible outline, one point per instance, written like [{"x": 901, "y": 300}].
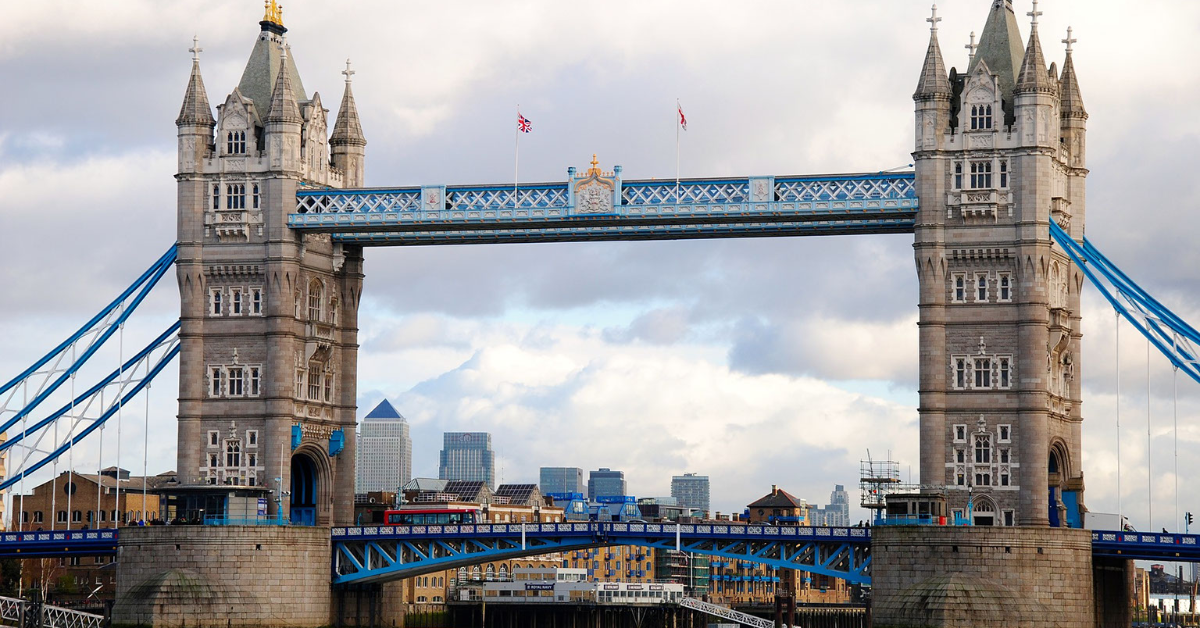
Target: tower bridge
[{"x": 273, "y": 220}]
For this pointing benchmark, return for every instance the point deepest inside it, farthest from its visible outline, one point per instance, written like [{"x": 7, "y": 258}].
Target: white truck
[{"x": 1105, "y": 521}]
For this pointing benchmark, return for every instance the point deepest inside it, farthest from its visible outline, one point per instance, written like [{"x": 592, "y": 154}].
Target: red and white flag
[
  {"x": 523, "y": 123},
  {"x": 682, "y": 118}
]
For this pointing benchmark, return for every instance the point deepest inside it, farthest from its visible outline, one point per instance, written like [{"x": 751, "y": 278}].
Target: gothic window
[
  {"x": 1005, "y": 430},
  {"x": 256, "y": 301},
  {"x": 215, "y": 382},
  {"x": 983, "y": 449},
  {"x": 255, "y": 379},
  {"x": 328, "y": 389},
  {"x": 961, "y": 480},
  {"x": 1004, "y": 456},
  {"x": 981, "y": 288},
  {"x": 299, "y": 383},
  {"x": 1003, "y": 479},
  {"x": 1004, "y": 174},
  {"x": 233, "y": 453},
  {"x": 1005, "y": 287},
  {"x": 213, "y": 461},
  {"x": 235, "y": 381},
  {"x": 235, "y": 142},
  {"x": 214, "y": 302},
  {"x": 1008, "y": 516},
  {"x": 981, "y": 174},
  {"x": 958, "y": 175},
  {"x": 235, "y": 196},
  {"x": 252, "y": 438},
  {"x": 212, "y": 438},
  {"x": 960, "y": 373},
  {"x": 960, "y": 433},
  {"x": 315, "y": 296},
  {"x": 235, "y": 301},
  {"x": 253, "y": 460},
  {"x": 216, "y": 196},
  {"x": 960, "y": 456},
  {"x": 256, "y": 196},
  {"x": 314, "y": 382},
  {"x": 960, "y": 288},
  {"x": 983, "y": 373},
  {"x": 983, "y": 479}
]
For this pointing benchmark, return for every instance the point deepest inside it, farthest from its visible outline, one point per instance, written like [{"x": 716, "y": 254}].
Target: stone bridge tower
[
  {"x": 1000, "y": 152},
  {"x": 269, "y": 317}
]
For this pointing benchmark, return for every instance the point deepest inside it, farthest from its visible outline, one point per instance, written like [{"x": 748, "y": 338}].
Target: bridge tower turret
[
  {"x": 269, "y": 316},
  {"x": 999, "y": 153}
]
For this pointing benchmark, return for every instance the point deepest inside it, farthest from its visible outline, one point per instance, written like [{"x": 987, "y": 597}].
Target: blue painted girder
[{"x": 377, "y": 554}]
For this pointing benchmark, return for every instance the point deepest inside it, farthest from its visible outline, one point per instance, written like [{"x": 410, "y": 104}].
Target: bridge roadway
[
  {"x": 381, "y": 553},
  {"x": 624, "y": 210}
]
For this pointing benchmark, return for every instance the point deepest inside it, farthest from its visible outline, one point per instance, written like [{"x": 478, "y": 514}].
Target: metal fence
[{"x": 26, "y": 614}]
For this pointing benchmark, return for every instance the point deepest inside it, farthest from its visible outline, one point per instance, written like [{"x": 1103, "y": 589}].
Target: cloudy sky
[{"x": 752, "y": 361}]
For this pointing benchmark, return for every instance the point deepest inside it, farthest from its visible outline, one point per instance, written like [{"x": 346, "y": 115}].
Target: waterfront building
[
  {"x": 683, "y": 568},
  {"x": 605, "y": 482},
  {"x": 560, "y": 480},
  {"x": 616, "y": 563},
  {"x": 691, "y": 490},
  {"x": 468, "y": 456},
  {"x": 384, "y": 452},
  {"x": 568, "y": 585},
  {"x": 781, "y": 508}
]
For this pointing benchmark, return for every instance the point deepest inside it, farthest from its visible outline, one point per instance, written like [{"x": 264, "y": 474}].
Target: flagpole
[
  {"x": 516, "y": 154},
  {"x": 678, "y": 108}
]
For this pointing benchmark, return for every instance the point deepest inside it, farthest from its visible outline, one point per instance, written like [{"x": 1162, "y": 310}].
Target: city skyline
[{"x": 563, "y": 344}]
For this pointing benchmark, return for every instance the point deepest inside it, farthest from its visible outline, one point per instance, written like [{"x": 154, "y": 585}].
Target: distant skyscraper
[
  {"x": 605, "y": 482},
  {"x": 561, "y": 480},
  {"x": 837, "y": 513},
  {"x": 690, "y": 490},
  {"x": 468, "y": 456},
  {"x": 839, "y": 507},
  {"x": 383, "y": 456}
]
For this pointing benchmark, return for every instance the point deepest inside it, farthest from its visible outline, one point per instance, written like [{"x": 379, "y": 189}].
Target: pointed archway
[{"x": 311, "y": 482}]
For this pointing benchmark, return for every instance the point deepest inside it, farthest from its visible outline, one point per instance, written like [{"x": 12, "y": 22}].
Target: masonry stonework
[
  {"x": 934, "y": 576},
  {"x": 223, "y": 576},
  {"x": 999, "y": 154}
]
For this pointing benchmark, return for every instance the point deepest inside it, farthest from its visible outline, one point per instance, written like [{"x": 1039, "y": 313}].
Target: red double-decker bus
[{"x": 431, "y": 516}]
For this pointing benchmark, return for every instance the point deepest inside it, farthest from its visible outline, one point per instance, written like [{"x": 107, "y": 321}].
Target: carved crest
[{"x": 594, "y": 190}]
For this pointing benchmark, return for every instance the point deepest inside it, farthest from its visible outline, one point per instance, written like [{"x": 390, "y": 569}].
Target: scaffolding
[{"x": 877, "y": 479}]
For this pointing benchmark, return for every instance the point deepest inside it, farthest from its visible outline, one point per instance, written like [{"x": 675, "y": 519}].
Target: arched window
[
  {"x": 462, "y": 574},
  {"x": 491, "y": 573},
  {"x": 983, "y": 449},
  {"x": 960, "y": 289},
  {"x": 475, "y": 572},
  {"x": 235, "y": 196},
  {"x": 974, "y": 117},
  {"x": 958, "y": 174},
  {"x": 316, "y": 294},
  {"x": 982, "y": 288},
  {"x": 216, "y": 196},
  {"x": 255, "y": 190}
]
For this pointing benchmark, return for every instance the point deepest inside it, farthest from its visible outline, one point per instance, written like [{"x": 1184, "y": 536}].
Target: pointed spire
[
  {"x": 195, "y": 110},
  {"x": 1034, "y": 77},
  {"x": 1072, "y": 100},
  {"x": 933, "y": 82},
  {"x": 283, "y": 99},
  {"x": 347, "y": 129},
  {"x": 1000, "y": 47}
]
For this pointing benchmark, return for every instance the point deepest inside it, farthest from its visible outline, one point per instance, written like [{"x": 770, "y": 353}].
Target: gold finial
[
  {"x": 273, "y": 13},
  {"x": 595, "y": 170}
]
